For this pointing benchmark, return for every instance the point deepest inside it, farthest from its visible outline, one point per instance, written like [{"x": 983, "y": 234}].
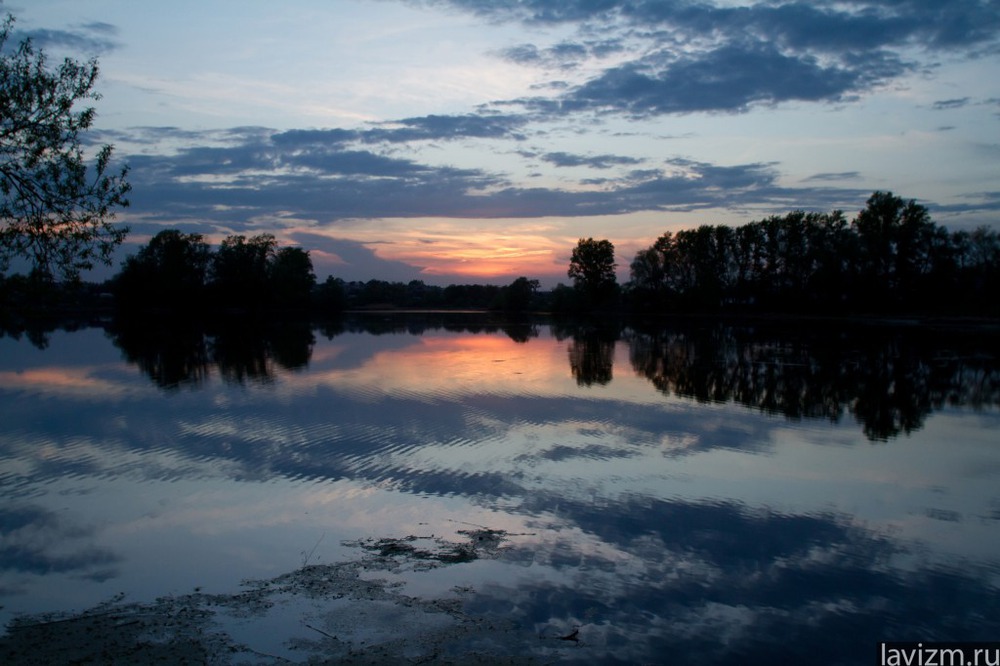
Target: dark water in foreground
[{"x": 692, "y": 494}]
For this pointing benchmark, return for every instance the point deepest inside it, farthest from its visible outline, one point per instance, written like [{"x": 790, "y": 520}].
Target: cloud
[
  {"x": 561, "y": 159},
  {"x": 731, "y": 78},
  {"x": 686, "y": 57},
  {"x": 423, "y": 128},
  {"x": 842, "y": 175},
  {"x": 91, "y": 39},
  {"x": 853, "y": 24},
  {"x": 321, "y": 176},
  {"x": 39, "y": 541},
  {"x": 352, "y": 260},
  {"x": 486, "y": 126},
  {"x": 564, "y": 55},
  {"x": 946, "y": 104}
]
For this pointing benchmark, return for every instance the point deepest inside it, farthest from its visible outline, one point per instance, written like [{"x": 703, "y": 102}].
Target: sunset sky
[{"x": 476, "y": 140}]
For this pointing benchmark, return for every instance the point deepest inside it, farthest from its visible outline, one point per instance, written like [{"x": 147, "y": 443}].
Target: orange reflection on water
[
  {"x": 436, "y": 365},
  {"x": 79, "y": 382}
]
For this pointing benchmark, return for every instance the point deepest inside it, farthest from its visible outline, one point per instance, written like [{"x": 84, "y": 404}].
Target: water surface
[{"x": 694, "y": 492}]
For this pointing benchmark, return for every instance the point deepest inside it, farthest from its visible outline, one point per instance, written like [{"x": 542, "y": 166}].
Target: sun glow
[{"x": 474, "y": 249}]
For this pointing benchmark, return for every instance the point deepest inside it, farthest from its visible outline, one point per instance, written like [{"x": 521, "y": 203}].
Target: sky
[{"x": 476, "y": 141}]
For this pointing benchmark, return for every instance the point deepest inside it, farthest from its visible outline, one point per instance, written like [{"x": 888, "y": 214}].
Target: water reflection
[
  {"x": 723, "y": 583},
  {"x": 183, "y": 353},
  {"x": 591, "y": 353},
  {"x": 172, "y": 356},
  {"x": 40, "y": 542},
  {"x": 675, "y": 491},
  {"x": 888, "y": 379}
]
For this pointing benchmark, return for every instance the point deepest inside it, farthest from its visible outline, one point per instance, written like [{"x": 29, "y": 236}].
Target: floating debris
[{"x": 319, "y": 613}]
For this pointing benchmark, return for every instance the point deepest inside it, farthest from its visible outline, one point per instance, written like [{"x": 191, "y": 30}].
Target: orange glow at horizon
[
  {"x": 472, "y": 248},
  {"x": 479, "y": 254}
]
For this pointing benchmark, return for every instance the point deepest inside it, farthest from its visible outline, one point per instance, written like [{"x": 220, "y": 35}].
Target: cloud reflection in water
[{"x": 671, "y": 485}]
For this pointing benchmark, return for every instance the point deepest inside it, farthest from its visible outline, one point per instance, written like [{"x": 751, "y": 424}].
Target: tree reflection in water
[
  {"x": 888, "y": 378},
  {"x": 182, "y": 353},
  {"x": 591, "y": 351}
]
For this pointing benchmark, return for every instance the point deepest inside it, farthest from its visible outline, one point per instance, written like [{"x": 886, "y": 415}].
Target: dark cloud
[
  {"x": 434, "y": 127},
  {"x": 423, "y": 128},
  {"x": 317, "y": 175},
  {"x": 731, "y": 78},
  {"x": 700, "y": 56},
  {"x": 101, "y": 27},
  {"x": 945, "y": 104},
  {"x": 561, "y": 159},
  {"x": 358, "y": 261},
  {"x": 297, "y": 138},
  {"x": 564, "y": 55},
  {"x": 852, "y": 24},
  {"x": 841, "y": 175},
  {"x": 977, "y": 202},
  {"x": 91, "y": 39}
]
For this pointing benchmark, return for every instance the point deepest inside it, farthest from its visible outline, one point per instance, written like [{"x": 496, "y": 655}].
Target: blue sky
[{"x": 477, "y": 140}]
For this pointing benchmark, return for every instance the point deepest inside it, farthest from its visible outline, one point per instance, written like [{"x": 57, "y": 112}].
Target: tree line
[
  {"x": 890, "y": 258},
  {"x": 520, "y": 295},
  {"x": 180, "y": 271}
]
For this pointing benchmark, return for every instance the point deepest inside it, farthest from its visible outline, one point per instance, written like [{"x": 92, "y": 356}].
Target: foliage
[
  {"x": 170, "y": 271},
  {"x": 592, "y": 268},
  {"x": 376, "y": 294},
  {"x": 291, "y": 277},
  {"x": 55, "y": 211},
  {"x": 331, "y": 296},
  {"x": 891, "y": 257},
  {"x": 179, "y": 271},
  {"x": 240, "y": 269},
  {"x": 518, "y": 295}
]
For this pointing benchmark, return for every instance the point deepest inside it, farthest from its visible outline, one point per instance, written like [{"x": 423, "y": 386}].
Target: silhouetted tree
[
  {"x": 831, "y": 247},
  {"x": 170, "y": 271},
  {"x": 564, "y": 299},
  {"x": 592, "y": 268},
  {"x": 422, "y": 295},
  {"x": 470, "y": 295},
  {"x": 291, "y": 276},
  {"x": 891, "y": 256},
  {"x": 896, "y": 243},
  {"x": 518, "y": 295},
  {"x": 331, "y": 296},
  {"x": 707, "y": 251},
  {"x": 647, "y": 276},
  {"x": 975, "y": 269},
  {"x": 382, "y": 293},
  {"x": 240, "y": 270},
  {"x": 55, "y": 211}
]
